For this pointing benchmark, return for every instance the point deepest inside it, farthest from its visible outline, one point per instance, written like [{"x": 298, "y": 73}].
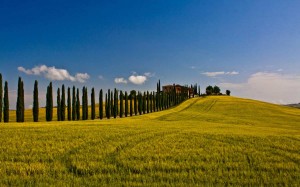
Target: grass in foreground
[{"x": 213, "y": 140}]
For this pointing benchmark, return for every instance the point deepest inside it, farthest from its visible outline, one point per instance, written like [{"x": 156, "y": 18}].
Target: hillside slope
[
  {"x": 229, "y": 111},
  {"x": 204, "y": 141}
]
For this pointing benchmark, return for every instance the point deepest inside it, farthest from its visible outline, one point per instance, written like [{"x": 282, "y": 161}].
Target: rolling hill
[{"x": 216, "y": 140}]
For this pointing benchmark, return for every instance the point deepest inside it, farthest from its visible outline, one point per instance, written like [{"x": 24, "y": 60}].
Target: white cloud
[
  {"x": 120, "y": 81},
  {"x": 138, "y": 79},
  {"x": 232, "y": 73},
  {"x": 100, "y": 77},
  {"x": 52, "y": 73},
  {"x": 213, "y": 74},
  {"x": 148, "y": 74},
  {"x": 82, "y": 77},
  {"x": 216, "y": 73},
  {"x": 271, "y": 87},
  {"x": 28, "y": 72}
]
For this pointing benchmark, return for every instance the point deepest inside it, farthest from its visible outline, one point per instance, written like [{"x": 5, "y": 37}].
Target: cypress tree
[
  {"x": 1, "y": 97},
  {"x": 74, "y": 103},
  {"x": 23, "y": 103},
  {"x": 154, "y": 102},
  {"x": 93, "y": 112},
  {"x": 49, "y": 103},
  {"x": 35, "y": 109},
  {"x": 101, "y": 104},
  {"x": 158, "y": 103},
  {"x": 148, "y": 102},
  {"x": 58, "y": 105},
  {"x": 115, "y": 103},
  {"x": 20, "y": 102},
  {"x": 161, "y": 101},
  {"x": 69, "y": 105},
  {"x": 131, "y": 106},
  {"x": 126, "y": 104},
  {"x": 77, "y": 105},
  {"x": 83, "y": 104},
  {"x": 144, "y": 103},
  {"x": 140, "y": 103},
  {"x": 86, "y": 104},
  {"x": 6, "y": 103},
  {"x": 108, "y": 110},
  {"x": 112, "y": 103},
  {"x": 135, "y": 104},
  {"x": 106, "y": 106},
  {"x": 121, "y": 105},
  {"x": 63, "y": 103}
]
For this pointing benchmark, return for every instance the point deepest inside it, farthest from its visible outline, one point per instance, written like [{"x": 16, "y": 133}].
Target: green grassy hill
[{"x": 205, "y": 141}]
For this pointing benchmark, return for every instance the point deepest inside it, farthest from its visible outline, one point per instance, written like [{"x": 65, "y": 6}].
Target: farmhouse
[{"x": 178, "y": 89}]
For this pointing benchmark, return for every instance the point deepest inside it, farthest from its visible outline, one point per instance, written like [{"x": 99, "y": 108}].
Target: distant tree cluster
[{"x": 215, "y": 91}]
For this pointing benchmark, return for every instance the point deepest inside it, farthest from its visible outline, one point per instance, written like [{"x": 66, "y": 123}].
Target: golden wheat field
[{"x": 214, "y": 140}]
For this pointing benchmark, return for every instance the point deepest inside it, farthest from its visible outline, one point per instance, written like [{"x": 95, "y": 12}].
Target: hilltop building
[{"x": 178, "y": 89}]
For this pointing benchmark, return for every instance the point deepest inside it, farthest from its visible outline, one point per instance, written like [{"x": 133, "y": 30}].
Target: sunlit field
[{"x": 216, "y": 140}]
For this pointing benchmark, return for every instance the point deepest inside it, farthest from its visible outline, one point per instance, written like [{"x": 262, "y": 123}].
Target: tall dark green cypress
[
  {"x": 154, "y": 102},
  {"x": 49, "y": 103},
  {"x": 1, "y": 97},
  {"x": 121, "y": 105},
  {"x": 144, "y": 103},
  {"x": 161, "y": 101},
  {"x": 77, "y": 105},
  {"x": 135, "y": 104},
  {"x": 131, "y": 105},
  {"x": 106, "y": 106},
  {"x": 115, "y": 103},
  {"x": 83, "y": 104},
  {"x": 35, "y": 109},
  {"x": 58, "y": 111},
  {"x": 86, "y": 104},
  {"x": 69, "y": 105},
  {"x": 6, "y": 103},
  {"x": 158, "y": 98},
  {"x": 23, "y": 103},
  {"x": 126, "y": 104},
  {"x": 74, "y": 103},
  {"x": 140, "y": 98},
  {"x": 112, "y": 103},
  {"x": 101, "y": 104},
  {"x": 108, "y": 110},
  {"x": 148, "y": 102},
  {"x": 93, "y": 109},
  {"x": 20, "y": 102},
  {"x": 63, "y": 103}
]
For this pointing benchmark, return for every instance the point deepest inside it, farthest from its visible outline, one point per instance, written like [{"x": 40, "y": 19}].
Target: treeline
[
  {"x": 70, "y": 106},
  {"x": 210, "y": 90}
]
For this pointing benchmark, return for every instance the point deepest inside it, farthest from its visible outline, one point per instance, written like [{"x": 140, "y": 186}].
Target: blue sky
[{"x": 249, "y": 47}]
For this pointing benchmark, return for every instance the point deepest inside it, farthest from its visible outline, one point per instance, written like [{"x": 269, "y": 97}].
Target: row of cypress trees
[{"x": 117, "y": 103}]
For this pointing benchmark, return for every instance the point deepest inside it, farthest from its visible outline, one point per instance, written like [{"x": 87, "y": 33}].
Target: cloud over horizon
[
  {"x": 135, "y": 78},
  {"x": 55, "y": 74},
  {"x": 216, "y": 73},
  {"x": 120, "y": 80},
  {"x": 140, "y": 79},
  {"x": 271, "y": 87}
]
